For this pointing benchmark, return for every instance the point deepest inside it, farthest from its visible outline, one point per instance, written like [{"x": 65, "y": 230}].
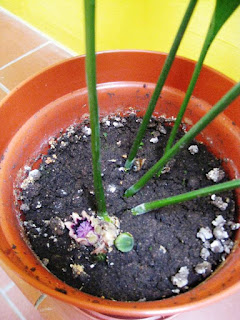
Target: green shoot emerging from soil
[
  {"x": 124, "y": 242},
  {"x": 160, "y": 83},
  {"x": 93, "y": 106},
  {"x": 149, "y": 206},
  {"x": 191, "y": 134}
]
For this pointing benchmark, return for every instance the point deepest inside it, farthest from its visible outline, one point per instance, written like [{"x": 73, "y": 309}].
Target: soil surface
[{"x": 174, "y": 250}]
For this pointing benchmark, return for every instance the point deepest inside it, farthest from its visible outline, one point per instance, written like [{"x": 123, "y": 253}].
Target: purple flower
[
  {"x": 84, "y": 229},
  {"x": 89, "y": 230}
]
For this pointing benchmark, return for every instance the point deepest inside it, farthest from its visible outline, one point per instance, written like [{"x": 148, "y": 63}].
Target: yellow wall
[{"x": 135, "y": 24}]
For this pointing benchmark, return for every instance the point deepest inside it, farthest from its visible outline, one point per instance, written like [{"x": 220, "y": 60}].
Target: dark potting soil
[{"x": 175, "y": 248}]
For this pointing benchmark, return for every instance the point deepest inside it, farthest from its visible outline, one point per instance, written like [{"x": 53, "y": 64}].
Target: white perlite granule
[
  {"x": 204, "y": 234},
  {"x": 181, "y": 278},
  {"x": 117, "y": 124},
  {"x": 154, "y": 140},
  {"x": 177, "y": 291},
  {"x": 107, "y": 123},
  {"x": 218, "y": 202},
  {"x": 162, "y": 249},
  {"x": 220, "y": 233},
  {"x": 24, "y": 207},
  {"x": 203, "y": 268},
  {"x": 217, "y": 247},
  {"x": 215, "y": 175},
  {"x": 228, "y": 245},
  {"x": 234, "y": 225},
  {"x": 161, "y": 129},
  {"x": 207, "y": 244},
  {"x": 87, "y": 131},
  {"x": 35, "y": 174},
  {"x": 193, "y": 149},
  {"x": 219, "y": 221},
  {"x": 27, "y": 168},
  {"x": 111, "y": 188},
  {"x": 204, "y": 254}
]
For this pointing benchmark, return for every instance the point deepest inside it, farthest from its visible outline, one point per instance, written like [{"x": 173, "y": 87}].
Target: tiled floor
[
  {"x": 25, "y": 51},
  {"x": 13, "y": 304}
]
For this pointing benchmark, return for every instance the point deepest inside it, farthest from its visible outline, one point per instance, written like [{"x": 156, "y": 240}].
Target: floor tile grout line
[
  {"x": 58, "y": 44},
  {"x": 25, "y": 55},
  {"x": 12, "y": 305},
  {"x": 5, "y": 89},
  {"x": 8, "y": 287}
]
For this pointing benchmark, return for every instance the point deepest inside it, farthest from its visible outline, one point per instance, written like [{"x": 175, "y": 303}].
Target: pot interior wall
[{"x": 62, "y": 104}]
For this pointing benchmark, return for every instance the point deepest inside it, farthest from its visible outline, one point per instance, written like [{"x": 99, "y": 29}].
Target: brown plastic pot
[{"x": 57, "y": 97}]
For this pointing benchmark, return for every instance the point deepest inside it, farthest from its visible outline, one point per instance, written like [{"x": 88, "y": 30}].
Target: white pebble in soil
[
  {"x": 64, "y": 144},
  {"x": 162, "y": 249},
  {"x": 177, "y": 291},
  {"x": 116, "y": 118},
  {"x": 215, "y": 175},
  {"x": 220, "y": 233},
  {"x": 86, "y": 130},
  {"x": 154, "y": 140},
  {"x": 193, "y": 149},
  {"x": 218, "y": 202},
  {"x": 24, "y": 207},
  {"x": 219, "y": 221},
  {"x": 204, "y": 234},
  {"x": 38, "y": 205},
  {"x": 204, "y": 268},
  {"x": 107, "y": 123},
  {"x": 117, "y": 124},
  {"x": 161, "y": 129},
  {"x": 204, "y": 254},
  {"x": 35, "y": 174},
  {"x": 111, "y": 188},
  {"x": 234, "y": 225},
  {"x": 217, "y": 247},
  {"x": 207, "y": 244},
  {"x": 45, "y": 261},
  {"x": 181, "y": 277},
  {"x": 228, "y": 245}
]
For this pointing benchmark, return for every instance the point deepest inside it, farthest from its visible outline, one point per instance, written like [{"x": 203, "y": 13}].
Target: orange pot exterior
[{"x": 56, "y": 98}]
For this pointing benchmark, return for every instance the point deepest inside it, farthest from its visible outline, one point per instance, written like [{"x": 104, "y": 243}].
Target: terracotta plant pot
[{"x": 57, "y": 97}]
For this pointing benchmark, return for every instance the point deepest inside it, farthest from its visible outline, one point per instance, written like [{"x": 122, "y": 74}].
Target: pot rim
[{"x": 21, "y": 84}]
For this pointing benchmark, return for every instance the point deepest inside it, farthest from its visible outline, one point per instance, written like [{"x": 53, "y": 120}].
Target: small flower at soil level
[
  {"x": 89, "y": 230},
  {"x": 83, "y": 230}
]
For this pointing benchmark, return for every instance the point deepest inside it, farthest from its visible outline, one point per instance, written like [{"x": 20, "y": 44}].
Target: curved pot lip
[
  {"x": 98, "y": 304},
  {"x": 110, "y": 52}
]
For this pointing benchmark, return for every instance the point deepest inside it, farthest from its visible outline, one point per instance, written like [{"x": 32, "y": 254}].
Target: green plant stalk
[
  {"x": 160, "y": 83},
  {"x": 221, "y": 105},
  {"x": 222, "y": 12},
  {"x": 149, "y": 206},
  {"x": 89, "y": 6}
]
